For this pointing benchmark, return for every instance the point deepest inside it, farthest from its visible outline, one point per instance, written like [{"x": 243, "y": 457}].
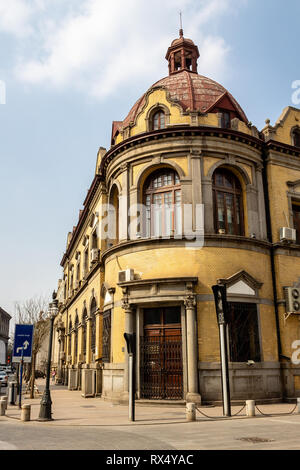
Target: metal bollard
[
  {"x": 298, "y": 404},
  {"x": 2, "y": 408},
  {"x": 250, "y": 408},
  {"x": 25, "y": 412},
  {"x": 12, "y": 393},
  {"x": 191, "y": 412}
]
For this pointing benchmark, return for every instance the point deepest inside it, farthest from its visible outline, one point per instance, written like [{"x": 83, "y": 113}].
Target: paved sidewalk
[{"x": 69, "y": 408}]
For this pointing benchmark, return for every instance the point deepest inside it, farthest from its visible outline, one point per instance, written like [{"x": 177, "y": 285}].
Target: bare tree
[{"x": 34, "y": 311}]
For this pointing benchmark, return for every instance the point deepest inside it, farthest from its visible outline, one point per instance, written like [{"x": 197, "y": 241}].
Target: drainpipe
[{"x": 272, "y": 258}]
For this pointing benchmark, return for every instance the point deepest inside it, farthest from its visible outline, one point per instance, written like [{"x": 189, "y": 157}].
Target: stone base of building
[
  {"x": 260, "y": 381},
  {"x": 112, "y": 382},
  {"x": 84, "y": 377}
]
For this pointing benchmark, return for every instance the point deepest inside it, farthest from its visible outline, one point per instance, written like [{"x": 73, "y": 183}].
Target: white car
[{"x": 3, "y": 378}]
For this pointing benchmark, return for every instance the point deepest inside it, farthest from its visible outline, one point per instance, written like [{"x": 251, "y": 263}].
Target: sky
[{"x": 68, "y": 68}]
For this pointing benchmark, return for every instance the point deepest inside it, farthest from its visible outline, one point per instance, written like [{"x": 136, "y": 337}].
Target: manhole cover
[{"x": 255, "y": 440}]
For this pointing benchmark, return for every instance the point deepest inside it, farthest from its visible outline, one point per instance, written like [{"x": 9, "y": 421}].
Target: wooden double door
[{"x": 161, "y": 354}]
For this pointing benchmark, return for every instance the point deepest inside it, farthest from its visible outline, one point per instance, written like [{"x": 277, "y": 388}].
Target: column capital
[
  {"x": 190, "y": 301},
  {"x": 126, "y": 305}
]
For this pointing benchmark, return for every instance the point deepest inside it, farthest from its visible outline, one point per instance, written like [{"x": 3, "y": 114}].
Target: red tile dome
[
  {"x": 192, "y": 91},
  {"x": 186, "y": 87}
]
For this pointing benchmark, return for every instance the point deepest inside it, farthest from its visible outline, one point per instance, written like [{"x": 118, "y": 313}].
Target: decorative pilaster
[
  {"x": 128, "y": 329},
  {"x": 192, "y": 353}
]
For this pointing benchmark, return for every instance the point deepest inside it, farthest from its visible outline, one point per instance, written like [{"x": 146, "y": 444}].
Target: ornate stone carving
[
  {"x": 126, "y": 305},
  {"x": 190, "y": 301}
]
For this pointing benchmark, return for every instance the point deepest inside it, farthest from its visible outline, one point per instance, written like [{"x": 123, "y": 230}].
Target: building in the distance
[
  {"x": 140, "y": 260},
  {"x": 4, "y": 335}
]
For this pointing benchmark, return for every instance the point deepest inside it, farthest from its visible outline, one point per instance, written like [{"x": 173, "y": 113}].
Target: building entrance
[{"x": 161, "y": 354}]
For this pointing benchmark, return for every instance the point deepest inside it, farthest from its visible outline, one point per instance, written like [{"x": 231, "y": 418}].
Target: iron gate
[{"x": 161, "y": 367}]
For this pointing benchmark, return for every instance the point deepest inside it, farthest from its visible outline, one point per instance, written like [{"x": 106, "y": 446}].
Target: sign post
[
  {"x": 130, "y": 341},
  {"x": 219, "y": 291},
  {"x": 22, "y": 350},
  {"x": 21, "y": 379}
]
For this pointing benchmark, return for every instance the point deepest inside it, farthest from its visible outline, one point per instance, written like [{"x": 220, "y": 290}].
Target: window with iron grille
[
  {"x": 243, "y": 332},
  {"x": 84, "y": 318},
  {"x": 93, "y": 325},
  {"x": 76, "y": 338},
  {"x": 106, "y": 335}
]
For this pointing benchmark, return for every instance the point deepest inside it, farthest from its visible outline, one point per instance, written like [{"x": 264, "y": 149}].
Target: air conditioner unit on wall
[
  {"x": 126, "y": 275},
  {"x": 292, "y": 299},
  {"x": 287, "y": 234}
]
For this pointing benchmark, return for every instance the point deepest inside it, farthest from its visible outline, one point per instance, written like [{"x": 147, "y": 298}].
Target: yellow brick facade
[{"x": 173, "y": 272}]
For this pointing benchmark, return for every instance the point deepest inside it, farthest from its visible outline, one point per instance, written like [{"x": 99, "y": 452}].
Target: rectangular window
[
  {"x": 106, "y": 336},
  {"x": 243, "y": 332},
  {"x": 225, "y": 120}
]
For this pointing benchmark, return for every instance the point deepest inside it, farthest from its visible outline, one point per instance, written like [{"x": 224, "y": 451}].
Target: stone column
[
  {"x": 261, "y": 203},
  {"x": 192, "y": 353},
  {"x": 128, "y": 329}
]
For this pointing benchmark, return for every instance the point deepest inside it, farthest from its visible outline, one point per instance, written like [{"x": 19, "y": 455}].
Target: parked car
[{"x": 3, "y": 378}]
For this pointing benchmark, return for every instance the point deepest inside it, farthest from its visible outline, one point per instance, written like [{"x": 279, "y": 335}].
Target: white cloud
[
  {"x": 97, "y": 46},
  {"x": 15, "y": 17}
]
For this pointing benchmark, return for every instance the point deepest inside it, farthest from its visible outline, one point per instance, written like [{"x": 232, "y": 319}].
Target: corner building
[{"x": 128, "y": 267}]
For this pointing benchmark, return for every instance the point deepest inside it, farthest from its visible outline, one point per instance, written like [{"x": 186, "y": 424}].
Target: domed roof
[
  {"x": 181, "y": 40},
  {"x": 190, "y": 90},
  {"x": 186, "y": 87}
]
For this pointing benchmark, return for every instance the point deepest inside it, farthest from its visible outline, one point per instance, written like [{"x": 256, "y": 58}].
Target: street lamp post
[{"x": 46, "y": 402}]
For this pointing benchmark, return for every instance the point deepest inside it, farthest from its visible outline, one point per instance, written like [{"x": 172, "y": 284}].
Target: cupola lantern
[{"x": 182, "y": 55}]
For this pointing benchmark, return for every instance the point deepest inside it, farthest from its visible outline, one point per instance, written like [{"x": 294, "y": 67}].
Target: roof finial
[{"x": 181, "y": 30}]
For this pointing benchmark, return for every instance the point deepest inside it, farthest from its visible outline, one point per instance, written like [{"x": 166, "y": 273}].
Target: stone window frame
[
  {"x": 84, "y": 318},
  {"x": 238, "y": 210},
  {"x": 137, "y": 192},
  {"x": 255, "y": 285},
  {"x": 292, "y": 196},
  {"x": 108, "y": 306},
  {"x": 151, "y": 191},
  {"x": 253, "y": 202},
  {"x": 93, "y": 319},
  {"x": 293, "y": 130},
  {"x": 115, "y": 186},
  {"x": 152, "y": 111}
]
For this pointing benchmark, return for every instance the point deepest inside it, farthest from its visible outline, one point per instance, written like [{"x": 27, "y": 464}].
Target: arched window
[
  {"x": 76, "y": 338},
  {"x": 84, "y": 317},
  {"x": 228, "y": 211},
  {"x": 113, "y": 215},
  {"x": 158, "y": 120},
  {"x": 93, "y": 325},
  {"x": 70, "y": 339},
  {"x": 296, "y": 137},
  {"x": 162, "y": 199}
]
